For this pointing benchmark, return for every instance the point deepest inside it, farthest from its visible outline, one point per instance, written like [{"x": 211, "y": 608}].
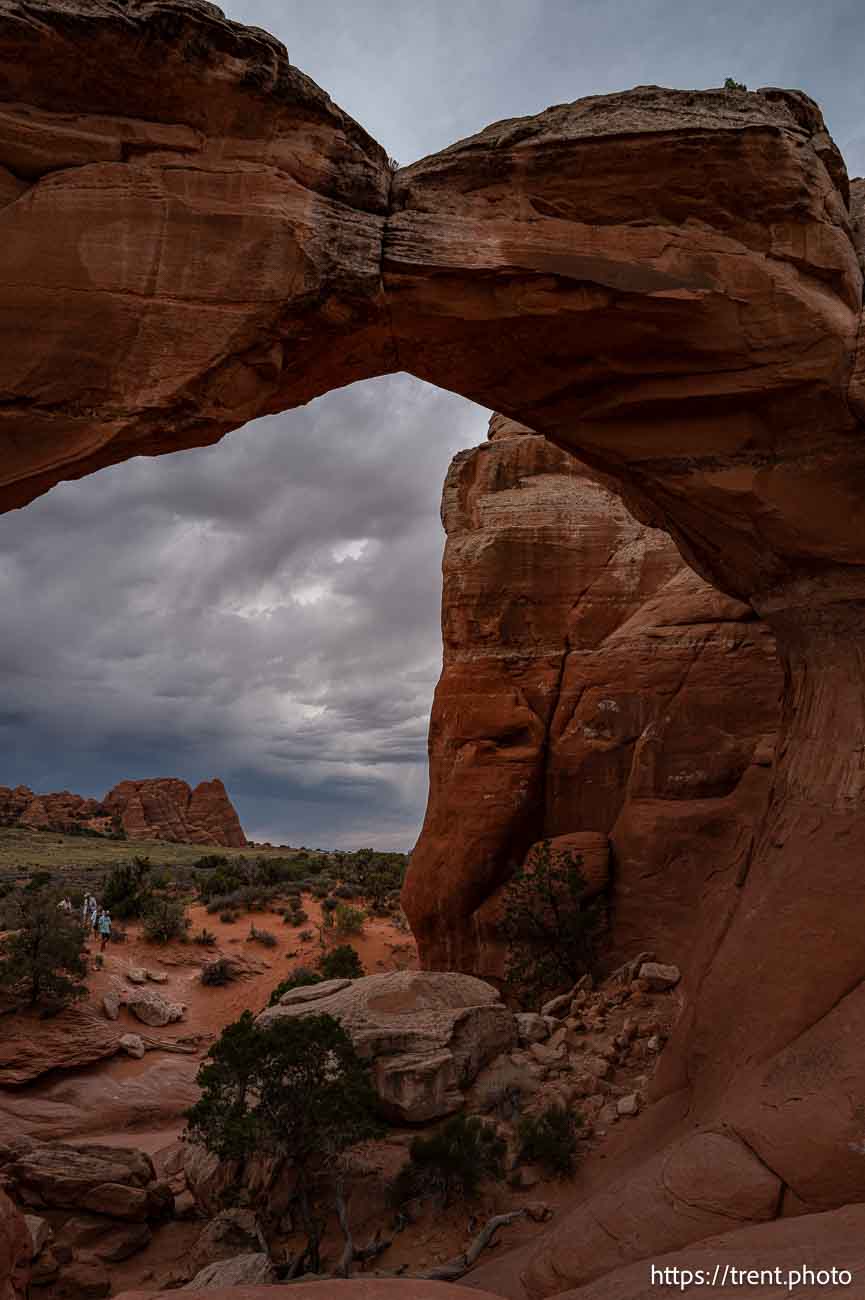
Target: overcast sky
[{"x": 267, "y": 610}]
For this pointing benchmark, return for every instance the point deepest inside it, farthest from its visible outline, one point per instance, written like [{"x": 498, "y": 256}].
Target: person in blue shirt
[{"x": 104, "y": 927}]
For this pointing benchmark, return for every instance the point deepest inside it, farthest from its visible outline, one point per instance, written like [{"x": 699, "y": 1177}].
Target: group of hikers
[{"x": 93, "y": 917}]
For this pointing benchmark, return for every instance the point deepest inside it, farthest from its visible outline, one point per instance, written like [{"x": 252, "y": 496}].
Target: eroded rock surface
[
  {"x": 159, "y": 808},
  {"x": 664, "y": 282},
  {"x": 76, "y": 1036},
  {"x": 595, "y": 690},
  {"x": 16, "y": 1249},
  {"x": 426, "y": 1033},
  {"x": 169, "y": 809}
]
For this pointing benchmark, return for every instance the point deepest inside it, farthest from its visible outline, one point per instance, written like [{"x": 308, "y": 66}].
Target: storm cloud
[{"x": 267, "y": 610}]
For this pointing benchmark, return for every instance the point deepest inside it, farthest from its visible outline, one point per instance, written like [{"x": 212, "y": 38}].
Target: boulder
[
  {"x": 242, "y": 1270},
  {"x": 16, "y": 1251},
  {"x": 111, "y": 1004},
  {"x": 658, "y": 976},
  {"x": 115, "y": 1181},
  {"x": 152, "y": 1009},
  {"x": 230, "y": 1234},
  {"x": 531, "y": 1028},
  {"x": 108, "y": 1241},
  {"x": 30, "y": 1047},
  {"x": 136, "y": 975},
  {"x": 426, "y": 1034}
]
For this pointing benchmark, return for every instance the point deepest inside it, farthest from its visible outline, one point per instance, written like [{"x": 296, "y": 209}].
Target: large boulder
[
  {"x": 425, "y": 1033},
  {"x": 31, "y": 1046},
  {"x": 118, "y": 1182}
]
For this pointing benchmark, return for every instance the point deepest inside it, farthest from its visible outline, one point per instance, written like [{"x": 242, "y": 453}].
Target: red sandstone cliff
[
  {"x": 159, "y": 808},
  {"x": 591, "y": 683}
]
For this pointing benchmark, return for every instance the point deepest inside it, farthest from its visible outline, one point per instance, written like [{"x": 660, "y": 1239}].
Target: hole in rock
[{"x": 266, "y": 610}]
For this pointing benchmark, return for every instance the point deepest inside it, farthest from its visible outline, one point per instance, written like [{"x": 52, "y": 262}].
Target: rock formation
[
  {"x": 163, "y": 808},
  {"x": 427, "y": 1034},
  {"x": 592, "y": 683},
  {"x": 168, "y": 809},
  {"x": 15, "y": 1251},
  {"x": 666, "y": 283}
]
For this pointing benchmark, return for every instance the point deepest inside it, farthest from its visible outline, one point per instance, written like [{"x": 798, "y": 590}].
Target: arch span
[{"x": 667, "y": 282}]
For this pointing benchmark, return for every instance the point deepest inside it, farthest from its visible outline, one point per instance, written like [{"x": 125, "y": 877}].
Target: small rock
[
  {"x": 546, "y": 1055},
  {"x": 654, "y": 1043},
  {"x": 156, "y": 976},
  {"x": 628, "y": 1105},
  {"x": 531, "y": 1028},
  {"x": 184, "y": 1206},
  {"x": 136, "y": 975},
  {"x": 608, "y": 1114},
  {"x": 152, "y": 1009},
  {"x": 659, "y": 977},
  {"x": 111, "y": 1004},
  {"x": 133, "y": 1045},
  {"x": 40, "y": 1232}
]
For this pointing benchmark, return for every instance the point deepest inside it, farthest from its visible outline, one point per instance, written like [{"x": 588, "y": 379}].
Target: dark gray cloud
[{"x": 267, "y": 610}]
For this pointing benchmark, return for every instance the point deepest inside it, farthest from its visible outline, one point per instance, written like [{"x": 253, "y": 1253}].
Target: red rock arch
[{"x": 193, "y": 234}]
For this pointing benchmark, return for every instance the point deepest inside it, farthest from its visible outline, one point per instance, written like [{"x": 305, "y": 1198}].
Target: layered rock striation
[
  {"x": 666, "y": 283},
  {"x": 163, "y": 808},
  {"x": 169, "y": 809}
]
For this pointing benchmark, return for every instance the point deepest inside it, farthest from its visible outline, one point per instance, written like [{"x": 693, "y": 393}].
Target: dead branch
[{"x": 460, "y": 1264}]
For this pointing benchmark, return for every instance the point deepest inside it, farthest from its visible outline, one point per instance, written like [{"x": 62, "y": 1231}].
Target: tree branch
[{"x": 460, "y": 1264}]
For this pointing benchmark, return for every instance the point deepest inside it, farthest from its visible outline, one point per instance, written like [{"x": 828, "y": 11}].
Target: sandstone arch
[{"x": 667, "y": 282}]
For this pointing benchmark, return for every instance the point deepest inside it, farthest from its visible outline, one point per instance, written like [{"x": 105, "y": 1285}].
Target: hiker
[
  {"x": 85, "y": 909},
  {"x": 94, "y": 915},
  {"x": 104, "y": 930}
]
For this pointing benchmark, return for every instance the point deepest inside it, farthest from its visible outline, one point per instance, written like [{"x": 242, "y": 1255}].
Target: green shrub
[
  {"x": 221, "y": 971},
  {"x": 731, "y": 84},
  {"x": 341, "y": 963},
  {"x": 209, "y": 861},
  {"x": 550, "y": 1139},
  {"x": 452, "y": 1163},
  {"x": 227, "y": 918},
  {"x": 264, "y": 937},
  {"x": 43, "y": 960},
  {"x": 348, "y": 920},
  {"x": 205, "y": 937},
  {"x": 306, "y": 935},
  {"x": 126, "y": 891},
  {"x": 164, "y": 920},
  {"x": 551, "y": 926}
]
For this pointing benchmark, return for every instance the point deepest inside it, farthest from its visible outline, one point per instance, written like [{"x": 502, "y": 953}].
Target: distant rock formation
[
  {"x": 168, "y": 809},
  {"x": 161, "y": 808},
  {"x": 593, "y": 686}
]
